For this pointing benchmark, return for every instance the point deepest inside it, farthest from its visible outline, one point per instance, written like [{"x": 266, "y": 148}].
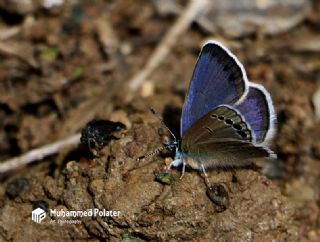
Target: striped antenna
[{"x": 156, "y": 151}]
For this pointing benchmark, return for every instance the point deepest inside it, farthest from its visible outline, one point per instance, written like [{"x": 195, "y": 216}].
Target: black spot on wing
[
  {"x": 228, "y": 121},
  {"x": 237, "y": 126},
  {"x": 242, "y": 134}
]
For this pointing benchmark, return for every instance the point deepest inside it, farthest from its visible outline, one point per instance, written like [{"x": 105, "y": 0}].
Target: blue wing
[
  {"x": 257, "y": 110},
  {"x": 218, "y": 78}
]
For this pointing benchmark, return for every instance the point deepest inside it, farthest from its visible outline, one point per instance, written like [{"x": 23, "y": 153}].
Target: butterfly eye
[
  {"x": 213, "y": 116},
  {"x": 242, "y": 134},
  {"x": 237, "y": 126},
  {"x": 221, "y": 118},
  {"x": 228, "y": 121}
]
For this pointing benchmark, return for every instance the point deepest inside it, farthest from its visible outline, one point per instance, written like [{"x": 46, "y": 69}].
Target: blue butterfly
[{"x": 226, "y": 120}]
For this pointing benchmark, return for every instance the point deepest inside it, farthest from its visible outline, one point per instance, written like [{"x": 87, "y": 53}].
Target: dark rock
[
  {"x": 219, "y": 196},
  {"x": 17, "y": 187},
  {"x": 97, "y": 133}
]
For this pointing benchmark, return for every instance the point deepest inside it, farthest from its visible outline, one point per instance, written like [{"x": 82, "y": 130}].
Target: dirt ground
[{"x": 65, "y": 65}]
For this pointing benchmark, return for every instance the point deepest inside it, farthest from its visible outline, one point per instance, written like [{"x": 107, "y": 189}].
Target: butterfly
[{"x": 227, "y": 121}]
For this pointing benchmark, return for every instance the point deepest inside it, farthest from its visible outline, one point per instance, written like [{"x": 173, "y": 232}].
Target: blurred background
[{"x": 65, "y": 62}]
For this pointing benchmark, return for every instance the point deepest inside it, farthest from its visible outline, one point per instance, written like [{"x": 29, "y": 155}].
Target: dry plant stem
[
  {"x": 9, "y": 33},
  {"x": 181, "y": 25},
  {"x": 38, "y": 153}
]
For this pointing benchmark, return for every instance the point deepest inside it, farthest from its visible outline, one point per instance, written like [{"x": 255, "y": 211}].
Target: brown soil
[{"x": 70, "y": 65}]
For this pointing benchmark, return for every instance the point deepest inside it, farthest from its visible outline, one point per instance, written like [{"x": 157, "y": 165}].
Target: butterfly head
[{"x": 172, "y": 145}]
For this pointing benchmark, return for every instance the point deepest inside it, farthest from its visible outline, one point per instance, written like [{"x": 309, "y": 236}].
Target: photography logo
[{"x": 38, "y": 215}]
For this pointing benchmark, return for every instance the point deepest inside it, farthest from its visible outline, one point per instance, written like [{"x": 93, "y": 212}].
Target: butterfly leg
[
  {"x": 183, "y": 169},
  {"x": 176, "y": 163},
  {"x": 178, "y": 159},
  {"x": 169, "y": 166},
  {"x": 205, "y": 174}
]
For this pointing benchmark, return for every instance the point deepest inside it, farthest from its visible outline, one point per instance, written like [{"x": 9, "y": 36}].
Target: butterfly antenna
[
  {"x": 156, "y": 151},
  {"x": 161, "y": 120}
]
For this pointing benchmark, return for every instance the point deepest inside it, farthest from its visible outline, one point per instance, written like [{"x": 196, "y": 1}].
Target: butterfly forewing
[{"x": 218, "y": 78}]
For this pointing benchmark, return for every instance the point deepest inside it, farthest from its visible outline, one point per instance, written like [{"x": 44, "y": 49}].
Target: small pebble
[
  {"x": 97, "y": 133},
  {"x": 166, "y": 178},
  {"x": 168, "y": 161},
  {"x": 147, "y": 89},
  {"x": 17, "y": 187},
  {"x": 219, "y": 196}
]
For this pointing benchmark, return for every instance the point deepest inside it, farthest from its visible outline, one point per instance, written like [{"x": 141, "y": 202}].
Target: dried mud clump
[{"x": 148, "y": 209}]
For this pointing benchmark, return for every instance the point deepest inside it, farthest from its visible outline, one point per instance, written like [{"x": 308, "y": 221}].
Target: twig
[
  {"x": 38, "y": 153},
  {"x": 9, "y": 33},
  {"x": 316, "y": 101},
  {"x": 181, "y": 25}
]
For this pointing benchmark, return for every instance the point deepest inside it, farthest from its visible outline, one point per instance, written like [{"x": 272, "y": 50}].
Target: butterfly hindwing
[
  {"x": 221, "y": 139},
  {"x": 222, "y": 123},
  {"x": 225, "y": 154},
  {"x": 218, "y": 78},
  {"x": 258, "y": 112}
]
